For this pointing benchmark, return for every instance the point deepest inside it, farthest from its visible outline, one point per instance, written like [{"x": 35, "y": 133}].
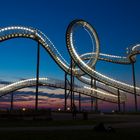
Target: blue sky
[{"x": 117, "y": 23}]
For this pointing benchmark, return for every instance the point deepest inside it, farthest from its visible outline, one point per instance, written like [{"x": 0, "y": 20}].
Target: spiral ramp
[{"x": 83, "y": 72}]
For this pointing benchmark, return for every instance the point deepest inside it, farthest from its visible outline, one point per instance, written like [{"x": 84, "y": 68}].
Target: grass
[
  {"x": 71, "y": 135},
  {"x": 120, "y": 133},
  {"x": 38, "y": 123},
  {"x": 45, "y": 123}
]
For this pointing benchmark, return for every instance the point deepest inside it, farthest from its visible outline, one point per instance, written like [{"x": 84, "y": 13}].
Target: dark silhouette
[
  {"x": 101, "y": 128},
  {"x": 85, "y": 115}
]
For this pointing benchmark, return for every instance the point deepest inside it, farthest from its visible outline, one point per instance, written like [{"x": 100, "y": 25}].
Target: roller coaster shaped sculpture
[{"x": 82, "y": 70}]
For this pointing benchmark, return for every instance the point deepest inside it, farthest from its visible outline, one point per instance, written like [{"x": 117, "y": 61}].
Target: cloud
[{"x": 48, "y": 97}]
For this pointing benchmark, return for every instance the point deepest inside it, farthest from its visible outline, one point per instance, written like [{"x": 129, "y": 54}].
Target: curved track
[
  {"x": 100, "y": 94},
  {"x": 88, "y": 69},
  {"x": 35, "y": 34}
]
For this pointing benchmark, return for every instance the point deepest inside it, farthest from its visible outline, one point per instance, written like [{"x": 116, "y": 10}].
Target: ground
[{"x": 63, "y": 127}]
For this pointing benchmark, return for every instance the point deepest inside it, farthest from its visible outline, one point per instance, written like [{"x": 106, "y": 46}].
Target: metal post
[
  {"x": 96, "y": 100},
  {"x": 79, "y": 102},
  {"x": 91, "y": 94},
  {"x": 65, "y": 91},
  {"x": 71, "y": 85},
  {"x": 119, "y": 107},
  {"x": 73, "y": 90},
  {"x": 37, "y": 76},
  {"x": 134, "y": 84},
  {"x": 12, "y": 99},
  {"x": 124, "y": 107},
  {"x": 96, "y": 105}
]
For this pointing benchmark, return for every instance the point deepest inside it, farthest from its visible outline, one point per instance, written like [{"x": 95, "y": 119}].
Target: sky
[{"x": 116, "y": 22}]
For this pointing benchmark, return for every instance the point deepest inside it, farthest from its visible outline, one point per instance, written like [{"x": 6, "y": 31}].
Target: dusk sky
[{"x": 117, "y": 23}]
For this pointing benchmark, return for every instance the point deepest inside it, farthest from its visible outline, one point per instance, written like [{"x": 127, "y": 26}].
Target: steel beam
[
  {"x": 91, "y": 94},
  {"x": 79, "y": 102},
  {"x": 37, "y": 76},
  {"x": 65, "y": 107},
  {"x": 119, "y": 106},
  {"x": 71, "y": 84},
  {"x": 96, "y": 100},
  {"x": 12, "y": 101},
  {"x": 134, "y": 84},
  {"x": 124, "y": 107},
  {"x": 73, "y": 97}
]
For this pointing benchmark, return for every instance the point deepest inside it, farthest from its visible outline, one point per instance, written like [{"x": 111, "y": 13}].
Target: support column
[
  {"x": 96, "y": 100},
  {"x": 119, "y": 107},
  {"x": 96, "y": 105},
  {"x": 12, "y": 99},
  {"x": 37, "y": 76},
  {"x": 65, "y": 108},
  {"x": 71, "y": 85},
  {"x": 124, "y": 107},
  {"x": 91, "y": 94},
  {"x": 79, "y": 102},
  {"x": 73, "y": 97},
  {"x": 134, "y": 84}
]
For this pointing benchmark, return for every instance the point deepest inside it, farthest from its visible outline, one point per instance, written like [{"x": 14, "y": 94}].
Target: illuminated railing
[
  {"x": 29, "y": 32},
  {"x": 103, "y": 95}
]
